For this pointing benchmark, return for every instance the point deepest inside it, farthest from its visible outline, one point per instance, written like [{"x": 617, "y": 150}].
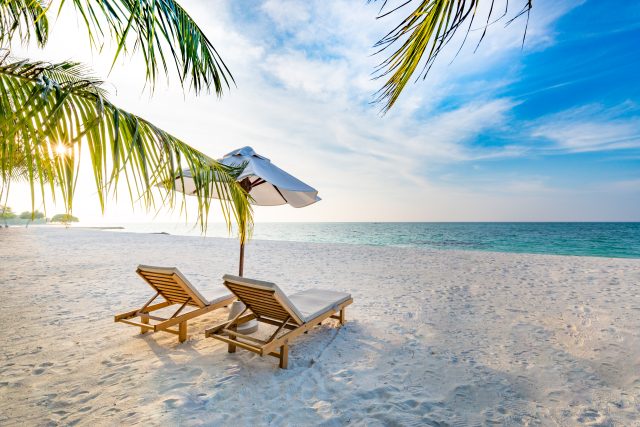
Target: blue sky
[{"x": 546, "y": 132}]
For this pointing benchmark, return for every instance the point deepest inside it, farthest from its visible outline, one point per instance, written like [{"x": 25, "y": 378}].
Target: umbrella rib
[{"x": 278, "y": 190}]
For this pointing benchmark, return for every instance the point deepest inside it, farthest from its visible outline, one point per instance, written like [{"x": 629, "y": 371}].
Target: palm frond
[
  {"x": 426, "y": 31},
  {"x": 23, "y": 17},
  {"x": 152, "y": 26},
  {"x": 18, "y": 165},
  {"x": 49, "y": 112}
]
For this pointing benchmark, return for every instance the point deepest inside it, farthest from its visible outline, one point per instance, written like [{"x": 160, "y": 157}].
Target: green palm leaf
[
  {"x": 49, "y": 112},
  {"x": 161, "y": 30},
  {"x": 427, "y": 30},
  {"x": 17, "y": 162},
  {"x": 23, "y": 17}
]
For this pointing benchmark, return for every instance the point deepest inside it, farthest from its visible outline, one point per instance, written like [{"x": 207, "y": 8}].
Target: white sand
[{"x": 435, "y": 338}]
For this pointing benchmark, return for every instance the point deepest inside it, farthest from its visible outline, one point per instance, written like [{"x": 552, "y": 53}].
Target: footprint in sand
[
  {"x": 590, "y": 416},
  {"x": 41, "y": 368},
  {"x": 171, "y": 403},
  {"x": 177, "y": 385},
  {"x": 78, "y": 393},
  {"x": 112, "y": 411}
]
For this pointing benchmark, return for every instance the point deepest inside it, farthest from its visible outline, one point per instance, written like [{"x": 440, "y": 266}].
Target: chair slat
[
  {"x": 174, "y": 296},
  {"x": 174, "y": 291},
  {"x": 263, "y": 307},
  {"x": 245, "y": 292},
  {"x": 162, "y": 281},
  {"x": 266, "y": 303},
  {"x": 262, "y": 303},
  {"x": 153, "y": 274},
  {"x": 260, "y": 310},
  {"x": 167, "y": 279},
  {"x": 172, "y": 287}
]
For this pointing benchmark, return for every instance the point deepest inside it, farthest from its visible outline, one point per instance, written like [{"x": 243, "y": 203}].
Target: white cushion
[
  {"x": 216, "y": 293},
  {"x": 313, "y": 302},
  {"x": 306, "y": 304}
]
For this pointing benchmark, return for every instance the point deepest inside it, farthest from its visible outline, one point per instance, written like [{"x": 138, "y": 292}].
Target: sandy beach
[{"x": 433, "y": 337}]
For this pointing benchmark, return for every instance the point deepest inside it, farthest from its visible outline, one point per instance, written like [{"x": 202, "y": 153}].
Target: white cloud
[
  {"x": 287, "y": 13},
  {"x": 590, "y": 128},
  {"x": 315, "y": 77},
  {"x": 446, "y": 136}
]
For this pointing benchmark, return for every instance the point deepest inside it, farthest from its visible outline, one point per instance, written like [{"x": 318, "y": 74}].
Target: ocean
[{"x": 603, "y": 239}]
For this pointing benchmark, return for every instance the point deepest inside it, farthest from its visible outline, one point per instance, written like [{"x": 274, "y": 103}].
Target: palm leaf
[
  {"x": 162, "y": 31},
  {"x": 23, "y": 17},
  {"x": 427, "y": 30},
  {"x": 17, "y": 169},
  {"x": 45, "y": 107}
]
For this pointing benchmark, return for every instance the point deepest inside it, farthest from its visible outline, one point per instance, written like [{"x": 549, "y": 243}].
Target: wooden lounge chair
[
  {"x": 176, "y": 290},
  {"x": 268, "y": 304}
]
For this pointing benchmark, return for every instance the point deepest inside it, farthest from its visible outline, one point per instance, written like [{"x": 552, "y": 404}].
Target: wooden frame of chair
[
  {"x": 175, "y": 290},
  {"x": 267, "y": 306}
]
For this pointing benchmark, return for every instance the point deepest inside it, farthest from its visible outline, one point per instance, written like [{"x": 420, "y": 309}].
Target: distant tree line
[
  {"x": 64, "y": 218},
  {"x": 31, "y": 215},
  {"x": 6, "y": 213}
]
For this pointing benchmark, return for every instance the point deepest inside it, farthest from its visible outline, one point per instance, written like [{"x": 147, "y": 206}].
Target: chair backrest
[
  {"x": 265, "y": 299},
  {"x": 172, "y": 285}
]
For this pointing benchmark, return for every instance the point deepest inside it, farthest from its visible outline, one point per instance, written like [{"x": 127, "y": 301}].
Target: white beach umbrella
[{"x": 267, "y": 184}]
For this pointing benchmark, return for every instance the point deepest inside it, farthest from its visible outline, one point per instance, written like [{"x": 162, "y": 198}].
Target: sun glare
[{"x": 61, "y": 149}]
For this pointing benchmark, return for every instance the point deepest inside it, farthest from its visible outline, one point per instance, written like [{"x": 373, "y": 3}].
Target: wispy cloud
[
  {"x": 449, "y": 135},
  {"x": 317, "y": 78},
  {"x": 591, "y": 128}
]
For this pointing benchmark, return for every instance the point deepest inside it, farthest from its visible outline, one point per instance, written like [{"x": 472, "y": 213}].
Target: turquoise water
[{"x": 584, "y": 239}]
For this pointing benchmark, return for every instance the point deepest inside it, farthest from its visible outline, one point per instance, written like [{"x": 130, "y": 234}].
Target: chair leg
[
  {"x": 144, "y": 318},
  {"x": 232, "y": 347},
  {"x": 284, "y": 356},
  {"x": 182, "y": 331},
  {"x": 342, "y": 317}
]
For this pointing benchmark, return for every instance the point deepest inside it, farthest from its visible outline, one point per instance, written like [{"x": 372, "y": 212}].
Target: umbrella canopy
[{"x": 267, "y": 184}]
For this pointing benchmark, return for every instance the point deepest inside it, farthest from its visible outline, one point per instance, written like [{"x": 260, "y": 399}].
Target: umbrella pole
[
  {"x": 240, "y": 270},
  {"x": 246, "y": 186}
]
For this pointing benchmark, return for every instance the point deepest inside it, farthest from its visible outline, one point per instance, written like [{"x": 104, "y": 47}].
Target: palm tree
[
  {"x": 50, "y": 112},
  {"x": 429, "y": 27}
]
